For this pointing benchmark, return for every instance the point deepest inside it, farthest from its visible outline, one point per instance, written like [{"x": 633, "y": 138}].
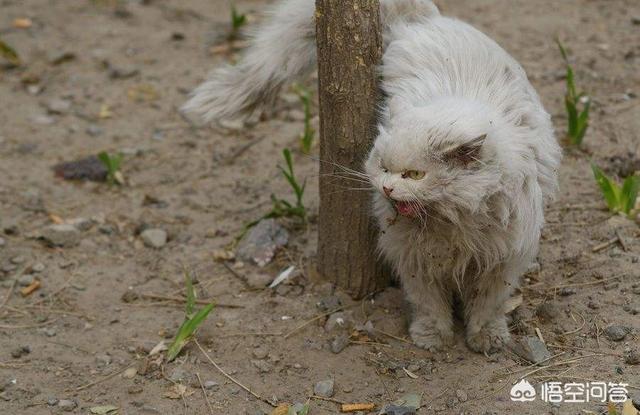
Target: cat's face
[{"x": 433, "y": 158}]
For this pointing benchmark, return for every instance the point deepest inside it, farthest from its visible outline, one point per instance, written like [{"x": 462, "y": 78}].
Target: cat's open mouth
[{"x": 408, "y": 209}]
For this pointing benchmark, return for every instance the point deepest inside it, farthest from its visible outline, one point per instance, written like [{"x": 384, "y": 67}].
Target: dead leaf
[
  {"x": 143, "y": 93},
  {"x": 105, "y": 112},
  {"x": 282, "y": 409},
  {"x": 410, "y": 374},
  {"x": 160, "y": 347},
  {"x": 103, "y": 410},
  {"x": 178, "y": 391},
  {"x": 22, "y": 23},
  {"x": 30, "y": 288},
  {"x": 221, "y": 255},
  {"x": 56, "y": 219}
]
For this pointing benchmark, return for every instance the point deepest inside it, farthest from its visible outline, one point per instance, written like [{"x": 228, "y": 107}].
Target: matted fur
[{"x": 447, "y": 85}]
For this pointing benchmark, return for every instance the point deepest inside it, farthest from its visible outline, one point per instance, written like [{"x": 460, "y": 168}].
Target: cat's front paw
[
  {"x": 427, "y": 335},
  {"x": 490, "y": 338}
]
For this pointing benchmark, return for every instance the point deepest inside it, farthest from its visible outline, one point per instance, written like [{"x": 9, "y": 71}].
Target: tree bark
[{"x": 349, "y": 50}]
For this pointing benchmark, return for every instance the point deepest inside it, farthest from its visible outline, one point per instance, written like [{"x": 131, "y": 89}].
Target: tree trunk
[{"x": 349, "y": 50}]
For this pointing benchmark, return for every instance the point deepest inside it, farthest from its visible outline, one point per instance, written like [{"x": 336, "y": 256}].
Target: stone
[
  {"x": 260, "y": 352},
  {"x": 531, "y": 348},
  {"x": 616, "y": 333},
  {"x": 154, "y": 238},
  {"x": 262, "y": 365},
  {"x": 62, "y": 235},
  {"x": 25, "y": 280},
  {"x": 130, "y": 373},
  {"x": 103, "y": 359},
  {"x": 462, "y": 395},
  {"x": 393, "y": 409},
  {"x": 38, "y": 267},
  {"x": 339, "y": 343},
  {"x": 211, "y": 385},
  {"x": 632, "y": 357},
  {"x": 339, "y": 321},
  {"x": 329, "y": 303},
  {"x": 567, "y": 291},
  {"x": 2, "y": 242},
  {"x": 19, "y": 259},
  {"x": 324, "y": 388},
  {"x": 20, "y": 351},
  {"x": 94, "y": 130},
  {"x": 58, "y": 106},
  {"x": 82, "y": 224},
  {"x": 67, "y": 405},
  {"x": 262, "y": 242},
  {"x": 122, "y": 72}
]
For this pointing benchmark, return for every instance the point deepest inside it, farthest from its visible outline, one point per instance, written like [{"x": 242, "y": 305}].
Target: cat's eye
[{"x": 413, "y": 174}]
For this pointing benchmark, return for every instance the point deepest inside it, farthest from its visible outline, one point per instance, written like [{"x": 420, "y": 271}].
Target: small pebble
[
  {"x": 67, "y": 405},
  {"x": 25, "y": 280},
  {"x": 462, "y": 395},
  {"x": 616, "y": 333},
  {"x": 18, "y": 260},
  {"x": 324, "y": 388},
  {"x": 339, "y": 343},
  {"x": 260, "y": 353},
  {"x": 632, "y": 357},
  {"x": 38, "y": 267},
  {"x": 211, "y": 385},
  {"x": 130, "y": 373},
  {"x": 154, "y": 238}
]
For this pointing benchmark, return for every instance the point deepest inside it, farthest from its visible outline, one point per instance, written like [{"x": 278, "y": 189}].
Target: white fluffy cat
[{"x": 463, "y": 162}]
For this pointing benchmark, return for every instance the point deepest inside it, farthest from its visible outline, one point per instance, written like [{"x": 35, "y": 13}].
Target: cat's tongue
[{"x": 406, "y": 208}]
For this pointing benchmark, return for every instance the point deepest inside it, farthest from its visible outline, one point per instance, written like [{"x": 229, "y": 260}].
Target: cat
[{"x": 463, "y": 163}]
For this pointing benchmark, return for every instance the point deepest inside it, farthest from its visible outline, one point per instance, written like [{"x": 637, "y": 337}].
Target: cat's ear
[
  {"x": 396, "y": 107},
  {"x": 467, "y": 152}
]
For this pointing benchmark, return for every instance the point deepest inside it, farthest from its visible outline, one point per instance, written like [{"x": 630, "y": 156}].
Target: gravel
[
  {"x": 324, "y": 388},
  {"x": 154, "y": 238}
]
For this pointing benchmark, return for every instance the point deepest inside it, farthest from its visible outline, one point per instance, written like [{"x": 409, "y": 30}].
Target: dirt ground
[{"x": 99, "y": 76}]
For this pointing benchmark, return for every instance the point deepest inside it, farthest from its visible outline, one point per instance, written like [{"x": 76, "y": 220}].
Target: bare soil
[{"x": 123, "y": 70}]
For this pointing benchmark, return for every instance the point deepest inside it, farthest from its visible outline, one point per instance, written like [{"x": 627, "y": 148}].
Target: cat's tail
[{"x": 281, "y": 50}]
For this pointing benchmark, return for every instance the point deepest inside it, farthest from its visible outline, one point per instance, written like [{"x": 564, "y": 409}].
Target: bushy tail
[{"x": 281, "y": 50}]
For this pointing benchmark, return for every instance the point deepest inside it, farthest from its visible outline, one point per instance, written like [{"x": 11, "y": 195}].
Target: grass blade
[
  {"x": 609, "y": 189},
  {"x": 9, "y": 53}
]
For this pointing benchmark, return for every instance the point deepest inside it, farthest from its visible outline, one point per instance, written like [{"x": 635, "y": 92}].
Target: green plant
[
  {"x": 237, "y": 21},
  {"x": 112, "y": 164},
  {"x": 619, "y": 198},
  {"x": 306, "y": 138},
  {"x": 192, "y": 320},
  {"x": 8, "y": 53},
  {"x": 302, "y": 411},
  {"x": 281, "y": 207},
  {"x": 578, "y": 120}
]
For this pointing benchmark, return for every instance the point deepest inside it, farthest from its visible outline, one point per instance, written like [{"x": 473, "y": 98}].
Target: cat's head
[{"x": 443, "y": 157}]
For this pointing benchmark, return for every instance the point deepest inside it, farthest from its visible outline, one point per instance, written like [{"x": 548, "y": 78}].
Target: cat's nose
[{"x": 387, "y": 191}]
